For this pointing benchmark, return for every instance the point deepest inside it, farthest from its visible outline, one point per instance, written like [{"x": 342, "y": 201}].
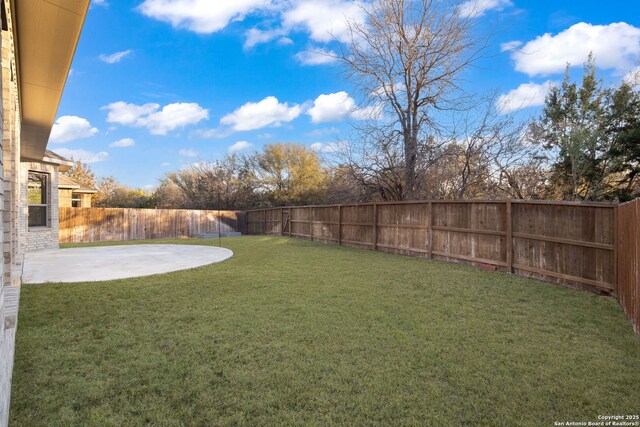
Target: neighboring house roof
[
  {"x": 63, "y": 163},
  {"x": 46, "y": 36},
  {"x": 66, "y": 182}
]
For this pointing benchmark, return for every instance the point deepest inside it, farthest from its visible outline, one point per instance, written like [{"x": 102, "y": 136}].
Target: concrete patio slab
[{"x": 115, "y": 262}]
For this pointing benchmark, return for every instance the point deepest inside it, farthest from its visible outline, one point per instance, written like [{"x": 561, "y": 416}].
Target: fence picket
[{"x": 81, "y": 225}]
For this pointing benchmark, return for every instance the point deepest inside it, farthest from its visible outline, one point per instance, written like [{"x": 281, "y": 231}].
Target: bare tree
[
  {"x": 496, "y": 158},
  {"x": 407, "y": 58},
  {"x": 487, "y": 155},
  {"x": 374, "y": 161},
  {"x": 483, "y": 154},
  {"x": 206, "y": 185}
]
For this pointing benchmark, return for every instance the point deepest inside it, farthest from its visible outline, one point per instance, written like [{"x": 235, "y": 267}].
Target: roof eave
[{"x": 46, "y": 35}]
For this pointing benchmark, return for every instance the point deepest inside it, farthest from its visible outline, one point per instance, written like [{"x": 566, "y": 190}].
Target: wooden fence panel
[
  {"x": 568, "y": 243},
  {"x": 80, "y": 225},
  {"x": 255, "y": 223},
  {"x": 628, "y": 252},
  {"x": 403, "y": 228},
  {"x": 325, "y": 224},
  {"x": 473, "y": 232},
  {"x": 358, "y": 226},
  {"x": 273, "y": 222},
  {"x": 563, "y": 242},
  {"x": 300, "y": 223}
]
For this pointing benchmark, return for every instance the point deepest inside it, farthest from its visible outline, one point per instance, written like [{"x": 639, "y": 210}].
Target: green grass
[{"x": 291, "y": 332}]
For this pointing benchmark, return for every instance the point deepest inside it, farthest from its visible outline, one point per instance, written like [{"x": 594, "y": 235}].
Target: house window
[
  {"x": 37, "y": 195},
  {"x": 76, "y": 200}
]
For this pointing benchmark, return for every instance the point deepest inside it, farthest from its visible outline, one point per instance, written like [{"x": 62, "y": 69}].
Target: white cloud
[
  {"x": 188, "y": 153},
  {"x": 69, "y": 128},
  {"x": 338, "y": 106},
  {"x": 257, "y": 115},
  {"x": 370, "y": 112},
  {"x": 316, "y": 57},
  {"x": 524, "y": 96},
  {"x": 174, "y": 116},
  {"x": 323, "y": 131},
  {"x": 165, "y": 164},
  {"x": 332, "y": 107},
  {"x": 124, "y": 142},
  {"x": 615, "y": 46},
  {"x": 201, "y": 16},
  {"x": 328, "y": 147},
  {"x": 102, "y": 3},
  {"x": 510, "y": 46},
  {"x": 83, "y": 155},
  {"x": 128, "y": 114},
  {"x": 218, "y": 132},
  {"x": 477, "y": 8},
  {"x": 239, "y": 146},
  {"x": 321, "y": 19},
  {"x": 285, "y": 41},
  {"x": 380, "y": 92},
  {"x": 633, "y": 77},
  {"x": 255, "y": 36},
  {"x": 324, "y": 20},
  {"x": 115, "y": 57},
  {"x": 158, "y": 122}
]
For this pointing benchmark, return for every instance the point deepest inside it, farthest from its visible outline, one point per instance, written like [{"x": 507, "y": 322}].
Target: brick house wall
[
  {"x": 11, "y": 264},
  {"x": 38, "y": 52},
  {"x": 40, "y": 237}
]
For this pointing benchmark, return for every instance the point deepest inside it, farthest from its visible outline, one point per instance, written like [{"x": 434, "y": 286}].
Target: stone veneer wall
[
  {"x": 86, "y": 200},
  {"x": 40, "y": 237},
  {"x": 64, "y": 198},
  {"x": 12, "y": 245}
]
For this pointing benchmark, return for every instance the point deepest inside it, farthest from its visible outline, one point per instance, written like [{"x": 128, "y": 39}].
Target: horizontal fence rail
[
  {"x": 563, "y": 242},
  {"x": 80, "y": 225},
  {"x": 628, "y": 254}
]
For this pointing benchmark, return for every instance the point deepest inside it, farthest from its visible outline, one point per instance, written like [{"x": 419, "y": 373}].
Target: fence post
[
  {"x": 339, "y": 225},
  {"x": 290, "y": 223},
  {"x": 264, "y": 221},
  {"x": 615, "y": 249},
  {"x": 430, "y": 232},
  {"x": 375, "y": 226},
  {"x": 509, "y": 220},
  {"x": 311, "y": 223},
  {"x": 282, "y": 221}
]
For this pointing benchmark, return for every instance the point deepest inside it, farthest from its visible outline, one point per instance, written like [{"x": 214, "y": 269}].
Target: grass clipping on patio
[{"x": 292, "y": 332}]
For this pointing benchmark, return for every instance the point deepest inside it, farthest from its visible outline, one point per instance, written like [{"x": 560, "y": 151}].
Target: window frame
[
  {"x": 45, "y": 194},
  {"x": 76, "y": 197}
]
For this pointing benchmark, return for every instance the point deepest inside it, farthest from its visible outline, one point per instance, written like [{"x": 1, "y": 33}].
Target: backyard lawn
[{"x": 292, "y": 332}]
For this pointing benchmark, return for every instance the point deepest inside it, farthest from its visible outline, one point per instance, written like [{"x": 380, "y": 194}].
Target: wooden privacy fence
[
  {"x": 78, "y": 225},
  {"x": 628, "y": 254},
  {"x": 569, "y": 243}
]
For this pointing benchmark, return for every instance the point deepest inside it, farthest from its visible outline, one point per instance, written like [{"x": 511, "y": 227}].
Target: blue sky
[{"x": 159, "y": 84}]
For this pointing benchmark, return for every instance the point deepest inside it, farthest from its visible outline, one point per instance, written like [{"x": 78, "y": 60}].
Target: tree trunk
[{"x": 410, "y": 156}]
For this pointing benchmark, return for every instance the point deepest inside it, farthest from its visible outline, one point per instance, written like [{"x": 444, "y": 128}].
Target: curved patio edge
[{"x": 102, "y": 263}]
